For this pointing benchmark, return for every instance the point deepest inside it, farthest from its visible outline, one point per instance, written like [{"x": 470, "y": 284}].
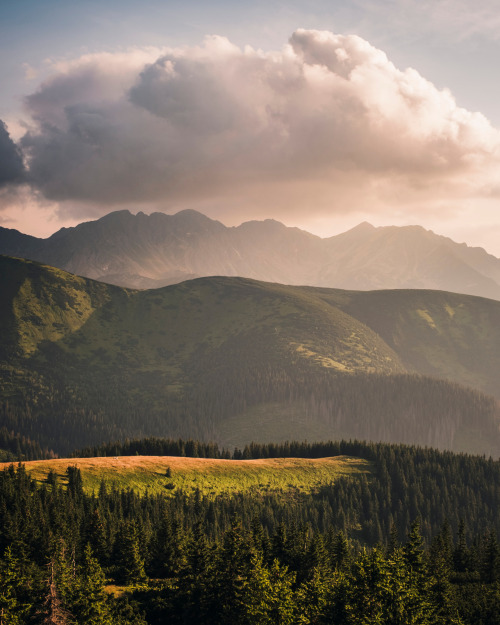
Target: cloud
[
  {"x": 12, "y": 170},
  {"x": 327, "y": 124}
]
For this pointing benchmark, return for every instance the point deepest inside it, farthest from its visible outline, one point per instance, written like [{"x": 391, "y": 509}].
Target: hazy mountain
[
  {"x": 368, "y": 258},
  {"x": 142, "y": 251},
  {"x": 235, "y": 360}
]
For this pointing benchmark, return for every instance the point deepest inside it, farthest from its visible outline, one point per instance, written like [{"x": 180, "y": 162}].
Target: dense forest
[
  {"x": 414, "y": 542},
  {"x": 402, "y": 408},
  {"x": 407, "y": 482},
  {"x": 14, "y": 446}
]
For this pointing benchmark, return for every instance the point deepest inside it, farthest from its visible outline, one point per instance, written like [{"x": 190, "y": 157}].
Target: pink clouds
[{"x": 326, "y": 126}]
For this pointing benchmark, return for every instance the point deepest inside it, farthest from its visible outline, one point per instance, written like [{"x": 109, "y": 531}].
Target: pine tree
[
  {"x": 440, "y": 563},
  {"x": 130, "y": 561},
  {"x": 96, "y": 536},
  {"x": 339, "y": 551},
  {"x": 318, "y": 599},
  {"x": 12, "y": 584},
  {"x": 75, "y": 483},
  {"x": 393, "y": 539},
  {"x": 196, "y": 579},
  {"x": 462, "y": 559},
  {"x": 90, "y": 605},
  {"x": 367, "y": 587},
  {"x": 266, "y": 596},
  {"x": 414, "y": 552},
  {"x": 234, "y": 565},
  {"x": 490, "y": 561}
]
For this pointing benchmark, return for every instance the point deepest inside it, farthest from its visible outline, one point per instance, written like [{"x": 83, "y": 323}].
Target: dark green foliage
[
  {"x": 14, "y": 446},
  {"x": 127, "y": 556},
  {"x": 89, "y": 599},
  {"x": 154, "y": 446},
  {"x": 14, "y": 584},
  {"x": 213, "y": 359},
  {"x": 490, "y": 563},
  {"x": 254, "y": 558}
]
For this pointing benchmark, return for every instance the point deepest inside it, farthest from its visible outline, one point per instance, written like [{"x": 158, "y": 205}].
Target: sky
[{"x": 319, "y": 114}]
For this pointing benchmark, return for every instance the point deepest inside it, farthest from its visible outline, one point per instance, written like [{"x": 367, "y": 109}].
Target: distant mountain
[
  {"x": 235, "y": 360},
  {"x": 409, "y": 257},
  {"x": 141, "y": 251}
]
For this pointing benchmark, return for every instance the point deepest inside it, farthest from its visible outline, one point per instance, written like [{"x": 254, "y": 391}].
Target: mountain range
[
  {"x": 232, "y": 360},
  {"x": 148, "y": 251}
]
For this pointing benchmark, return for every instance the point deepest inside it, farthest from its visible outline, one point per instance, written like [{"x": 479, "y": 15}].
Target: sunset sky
[{"x": 320, "y": 114}]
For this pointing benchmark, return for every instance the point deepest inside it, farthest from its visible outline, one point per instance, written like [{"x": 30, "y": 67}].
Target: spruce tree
[
  {"x": 89, "y": 603},
  {"x": 13, "y": 608},
  {"x": 130, "y": 561}
]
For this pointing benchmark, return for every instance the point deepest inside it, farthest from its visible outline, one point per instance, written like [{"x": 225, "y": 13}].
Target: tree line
[{"x": 407, "y": 482}]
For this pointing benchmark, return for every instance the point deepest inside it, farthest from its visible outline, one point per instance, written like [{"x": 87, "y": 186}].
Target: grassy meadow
[{"x": 168, "y": 475}]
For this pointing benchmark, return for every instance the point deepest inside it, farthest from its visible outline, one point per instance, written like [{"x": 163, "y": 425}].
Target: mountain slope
[
  {"x": 142, "y": 251},
  {"x": 156, "y": 250},
  {"x": 231, "y": 360},
  {"x": 436, "y": 333},
  {"x": 367, "y": 258}
]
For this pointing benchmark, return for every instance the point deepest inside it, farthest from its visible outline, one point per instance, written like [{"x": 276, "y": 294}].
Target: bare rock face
[{"x": 148, "y": 251}]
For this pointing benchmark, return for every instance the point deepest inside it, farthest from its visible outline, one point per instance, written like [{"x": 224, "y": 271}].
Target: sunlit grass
[{"x": 168, "y": 475}]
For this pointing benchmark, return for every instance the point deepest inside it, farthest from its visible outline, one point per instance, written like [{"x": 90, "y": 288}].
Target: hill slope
[
  {"x": 231, "y": 360},
  {"x": 142, "y": 251},
  {"x": 207, "y": 476},
  {"x": 433, "y": 332}
]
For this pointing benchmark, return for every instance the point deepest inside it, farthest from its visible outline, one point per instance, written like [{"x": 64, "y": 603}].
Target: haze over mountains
[{"x": 141, "y": 251}]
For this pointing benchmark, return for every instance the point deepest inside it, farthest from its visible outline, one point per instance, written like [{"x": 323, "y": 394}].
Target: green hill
[
  {"x": 447, "y": 335},
  {"x": 235, "y": 360}
]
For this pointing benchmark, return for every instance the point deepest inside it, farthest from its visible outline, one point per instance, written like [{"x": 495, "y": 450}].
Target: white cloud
[{"x": 326, "y": 125}]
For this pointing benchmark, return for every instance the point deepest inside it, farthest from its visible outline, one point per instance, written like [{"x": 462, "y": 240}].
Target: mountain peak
[
  {"x": 193, "y": 216},
  {"x": 137, "y": 249},
  {"x": 191, "y": 212},
  {"x": 119, "y": 215},
  {"x": 364, "y": 225},
  {"x": 192, "y": 221},
  {"x": 265, "y": 224},
  {"x": 362, "y": 230}
]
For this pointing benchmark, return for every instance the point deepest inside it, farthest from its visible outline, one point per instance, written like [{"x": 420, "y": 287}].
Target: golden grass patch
[{"x": 171, "y": 474}]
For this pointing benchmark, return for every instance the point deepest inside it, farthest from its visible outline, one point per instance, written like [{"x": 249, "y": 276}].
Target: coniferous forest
[{"x": 414, "y": 541}]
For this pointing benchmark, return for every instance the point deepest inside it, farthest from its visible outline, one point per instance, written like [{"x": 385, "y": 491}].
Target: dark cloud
[
  {"x": 12, "y": 171},
  {"x": 189, "y": 93}
]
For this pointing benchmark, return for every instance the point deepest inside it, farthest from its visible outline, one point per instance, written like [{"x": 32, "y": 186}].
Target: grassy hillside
[
  {"x": 168, "y": 475},
  {"x": 231, "y": 360},
  {"x": 434, "y": 332},
  {"x": 41, "y": 303},
  {"x": 163, "y": 330}
]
